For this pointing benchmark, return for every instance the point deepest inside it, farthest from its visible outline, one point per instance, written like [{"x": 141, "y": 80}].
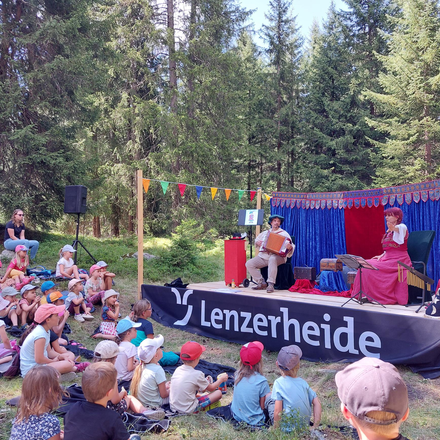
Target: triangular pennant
[
  {"x": 146, "y": 183},
  {"x": 228, "y": 193},
  {"x": 267, "y": 197},
  {"x": 199, "y": 191},
  {"x": 253, "y": 195},
  {"x": 240, "y": 194},
  {"x": 182, "y": 187},
  {"x": 164, "y": 186},
  {"x": 213, "y": 192}
]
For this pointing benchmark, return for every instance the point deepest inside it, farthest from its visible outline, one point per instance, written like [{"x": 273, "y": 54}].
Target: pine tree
[
  {"x": 47, "y": 66},
  {"x": 336, "y": 133},
  {"x": 409, "y": 107},
  {"x": 281, "y": 112}
]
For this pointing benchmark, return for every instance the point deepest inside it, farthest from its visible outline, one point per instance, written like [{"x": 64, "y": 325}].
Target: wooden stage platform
[
  {"x": 327, "y": 300},
  {"x": 325, "y": 331}
]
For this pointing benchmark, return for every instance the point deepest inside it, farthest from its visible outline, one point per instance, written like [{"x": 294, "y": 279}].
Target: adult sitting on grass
[
  {"x": 15, "y": 235},
  {"x": 374, "y": 399}
]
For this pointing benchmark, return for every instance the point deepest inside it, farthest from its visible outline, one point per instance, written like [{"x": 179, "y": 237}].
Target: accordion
[{"x": 275, "y": 243}]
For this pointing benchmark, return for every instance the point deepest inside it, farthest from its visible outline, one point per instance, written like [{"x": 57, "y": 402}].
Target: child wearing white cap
[
  {"x": 75, "y": 302},
  {"x": 374, "y": 399},
  {"x": 119, "y": 400},
  {"x": 109, "y": 315},
  {"x": 290, "y": 405},
  {"x": 149, "y": 383},
  {"x": 66, "y": 267}
]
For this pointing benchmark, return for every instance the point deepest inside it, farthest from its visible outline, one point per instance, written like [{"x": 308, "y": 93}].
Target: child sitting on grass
[
  {"x": 187, "y": 382},
  {"x": 17, "y": 268},
  {"x": 35, "y": 341},
  {"x": 149, "y": 383},
  {"x": 40, "y": 394},
  {"x": 106, "y": 276},
  {"x": 92, "y": 419},
  {"x": 141, "y": 312},
  {"x": 29, "y": 303},
  {"x": 75, "y": 302},
  {"x": 126, "y": 361},
  {"x": 251, "y": 387},
  {"x": 66, "y": 267},
  {"x": 46, "y": 289},
  {"x": 290, "y": 405},
  {"x": 9, "y": 307},
  {"x": 109, "y": 315},
  {"x": 94, "y": 286},
  {"x": 120, "y": 401}
]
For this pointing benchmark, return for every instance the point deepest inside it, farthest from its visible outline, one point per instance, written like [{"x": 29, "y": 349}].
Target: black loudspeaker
[{"x": 75, "y": 199}]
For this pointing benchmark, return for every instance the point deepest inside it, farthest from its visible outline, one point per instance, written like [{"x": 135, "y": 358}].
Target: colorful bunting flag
[
  {"x": 199, "y": 189},
  {"x": 267, "y": 197},
  {"x": 213, "y": 192},
  {"x": 146, "y": 184},
  {"x": 182, "y": 187},
  {"x": 165, "y": 186}
]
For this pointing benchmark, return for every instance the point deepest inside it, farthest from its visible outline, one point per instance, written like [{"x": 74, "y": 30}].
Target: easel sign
[{"x": 250, "y": 217}]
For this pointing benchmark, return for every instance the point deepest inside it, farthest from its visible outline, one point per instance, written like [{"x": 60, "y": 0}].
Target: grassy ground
[{"x": 424, "y": 419}]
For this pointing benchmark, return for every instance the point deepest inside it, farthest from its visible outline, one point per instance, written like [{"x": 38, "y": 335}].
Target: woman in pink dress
[{"x": 383, "y": 285}]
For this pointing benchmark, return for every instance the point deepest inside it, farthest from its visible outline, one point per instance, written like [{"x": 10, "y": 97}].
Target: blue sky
[{"x": 305, "y": 10}]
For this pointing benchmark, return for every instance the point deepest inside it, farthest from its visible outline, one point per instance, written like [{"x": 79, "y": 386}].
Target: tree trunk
[{"x": 96, "y": 226}]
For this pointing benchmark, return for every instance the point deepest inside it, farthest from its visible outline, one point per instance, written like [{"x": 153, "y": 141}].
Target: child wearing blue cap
[{"x": 126, "y": 361}]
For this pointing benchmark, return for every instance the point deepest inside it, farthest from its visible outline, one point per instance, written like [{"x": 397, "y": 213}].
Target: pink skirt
[
  {"x": 108, "y": 328},
  {"x": 383, "y": 285}
]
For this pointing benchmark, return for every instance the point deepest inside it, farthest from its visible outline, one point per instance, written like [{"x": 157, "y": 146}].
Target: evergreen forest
[{"x": 93, "y": 90}]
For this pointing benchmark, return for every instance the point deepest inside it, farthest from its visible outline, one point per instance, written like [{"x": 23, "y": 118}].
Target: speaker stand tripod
[{"x": 76, "y": 242}]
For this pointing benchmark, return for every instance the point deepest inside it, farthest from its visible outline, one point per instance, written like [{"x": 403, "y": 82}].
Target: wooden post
[
  {"x": 258, "y": 227},
  {"x": 140, "y": 230}
]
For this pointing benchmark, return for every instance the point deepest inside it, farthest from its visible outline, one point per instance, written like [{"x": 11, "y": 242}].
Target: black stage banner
[{"x": 324, "y": 333}]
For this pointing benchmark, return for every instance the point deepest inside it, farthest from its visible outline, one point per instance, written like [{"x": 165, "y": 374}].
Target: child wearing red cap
[
  {"x": 251, "y": 387},
  {"x": 187, "y": 382}
]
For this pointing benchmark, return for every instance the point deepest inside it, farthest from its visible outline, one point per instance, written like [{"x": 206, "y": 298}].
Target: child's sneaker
[
  {"x": 154, "y": 414},
  {"x": 82, "y": 366},
  {"x": 87, "y": 317},
  {"x": 79, "y": 318}
]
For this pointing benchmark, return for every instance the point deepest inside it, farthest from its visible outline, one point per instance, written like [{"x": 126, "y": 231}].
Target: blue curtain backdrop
[{"x": 320, "y": 233}]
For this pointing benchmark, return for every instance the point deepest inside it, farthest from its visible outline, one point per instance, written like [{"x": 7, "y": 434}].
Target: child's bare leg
[
  {"x": 83, "y": 276},
  {"x": 13, "y": 317},
  {"x": 5, "y": 359},
  {"x": 134, "y": 404},
  {"x": 101, "y": 335},
  {"x": 63, "y": 366},
  {"x": 215, "y": 396},
  {"x": 108, "y": 278},
  {"x": 62, "y": 341},
  {"x": 23, "y": 316}
]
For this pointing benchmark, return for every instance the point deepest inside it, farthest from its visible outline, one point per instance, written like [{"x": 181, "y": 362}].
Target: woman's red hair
[{"x": 395, "y": 212}]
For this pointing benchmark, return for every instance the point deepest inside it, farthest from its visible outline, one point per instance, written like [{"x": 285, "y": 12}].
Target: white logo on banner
[
  {"x": 183, "y": 302},
  {"x": 290, "y": 329}
]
